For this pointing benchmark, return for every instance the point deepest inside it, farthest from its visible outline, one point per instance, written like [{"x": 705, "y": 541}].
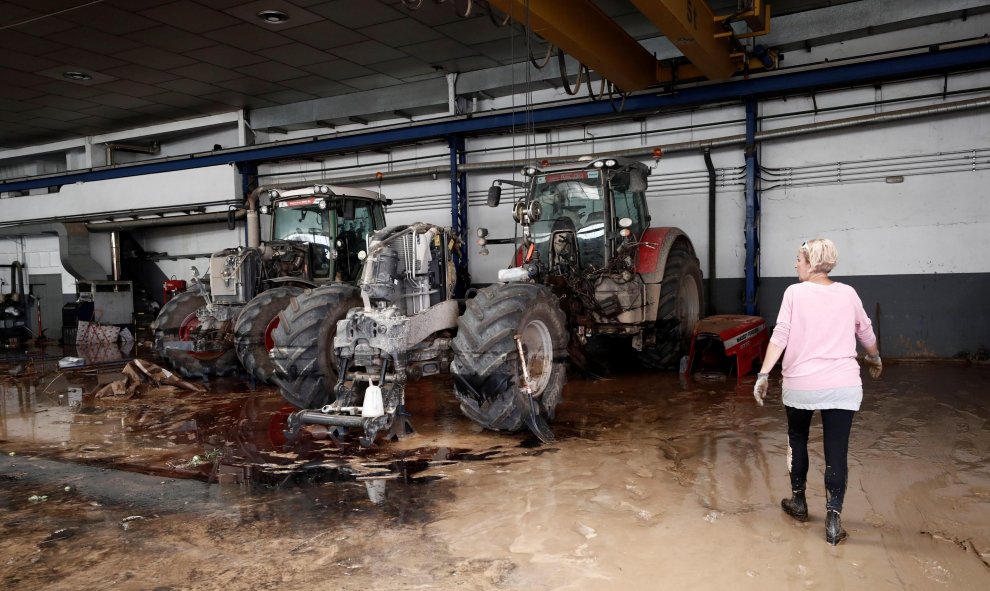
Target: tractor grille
[{"x": 407, "y": 250}]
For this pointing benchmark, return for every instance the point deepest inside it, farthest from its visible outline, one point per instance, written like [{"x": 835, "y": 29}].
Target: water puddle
[{"x": 227, "y": 442}]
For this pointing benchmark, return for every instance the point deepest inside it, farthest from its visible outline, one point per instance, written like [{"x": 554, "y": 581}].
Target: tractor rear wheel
[
  {"x": 681, "y": 305},
  {"x": 302, "y": 349},
  {"x": 174, "y": 331},
  {"x": 488, "y": 371},
  {"x": 254, "y": 326}
]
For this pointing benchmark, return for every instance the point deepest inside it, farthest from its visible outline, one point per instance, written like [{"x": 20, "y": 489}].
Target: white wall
[
  {"x": 39, "y": 255},
  {"x": 181, "y": 187}
]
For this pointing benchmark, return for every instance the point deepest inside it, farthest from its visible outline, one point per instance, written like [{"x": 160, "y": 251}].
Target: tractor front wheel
[
  {"x": 303, "y": 353},
  {"x": 254, "y": 326},
  {"x": 507, "y": 334}
]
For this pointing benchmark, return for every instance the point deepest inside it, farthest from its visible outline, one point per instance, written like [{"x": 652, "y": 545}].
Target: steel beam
[
  {"x": 768, "y": 85},
  {"x": 585, "y": 32},
  {"x": 690, "y": 25},
  {"x": 752, "y": 229},
  {"x": 459, "y": 206}
]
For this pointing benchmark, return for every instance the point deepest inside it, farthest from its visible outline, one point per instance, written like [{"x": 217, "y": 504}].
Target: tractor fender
[
  {"x": 651, "y": 259},
  {"x": 291, "y": 281}
]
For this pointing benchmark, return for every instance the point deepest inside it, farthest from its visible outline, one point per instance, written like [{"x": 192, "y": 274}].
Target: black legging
[{"x": 836, "y": 424}]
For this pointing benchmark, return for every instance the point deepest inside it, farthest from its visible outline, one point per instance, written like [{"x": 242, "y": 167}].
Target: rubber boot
[
  {"x": 833, "y": 527},
  {"x": 796, "y": 506}
]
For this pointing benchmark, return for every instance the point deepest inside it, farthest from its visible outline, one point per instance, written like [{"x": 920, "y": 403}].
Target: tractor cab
[
  {"x": 583, "y": 212},
  {"x": 334, "y": 224}
]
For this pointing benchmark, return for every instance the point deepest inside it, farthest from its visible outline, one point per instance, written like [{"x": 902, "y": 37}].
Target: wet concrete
[{"x": 653, "y": 483}]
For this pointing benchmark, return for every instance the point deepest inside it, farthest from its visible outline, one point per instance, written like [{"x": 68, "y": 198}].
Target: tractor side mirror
[
  {"x": 637, "y": 181},
  {"x": 494, "y": 195}
]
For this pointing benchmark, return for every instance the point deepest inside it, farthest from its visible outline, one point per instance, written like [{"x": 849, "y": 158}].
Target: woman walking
[{"x": 819, "y": 323}]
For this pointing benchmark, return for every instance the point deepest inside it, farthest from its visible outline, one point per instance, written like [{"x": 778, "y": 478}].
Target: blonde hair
[{"x": 821, "y": 254}]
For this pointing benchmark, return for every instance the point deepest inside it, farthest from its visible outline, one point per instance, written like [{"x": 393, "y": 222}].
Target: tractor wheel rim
[
  {"x": 538, "y": 347},
  {"x": 269, "y": 339},
  {"x": 188, "y": 326}
]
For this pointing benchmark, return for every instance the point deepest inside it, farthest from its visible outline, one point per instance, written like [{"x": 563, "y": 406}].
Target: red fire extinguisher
[{"x": 171, "y": 288}]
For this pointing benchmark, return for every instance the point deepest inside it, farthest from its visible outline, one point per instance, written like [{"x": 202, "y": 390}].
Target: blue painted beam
[
  {"x": 459, "y": 208},
  {"x": 760, "y": 87},
  {"x": 752, "y": 212}
]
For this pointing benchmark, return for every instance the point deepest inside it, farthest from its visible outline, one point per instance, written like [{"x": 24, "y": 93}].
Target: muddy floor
[{"x": 653, "y": 483}]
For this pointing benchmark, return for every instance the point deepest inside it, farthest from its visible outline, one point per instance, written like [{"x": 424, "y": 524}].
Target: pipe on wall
[
  {"x": 691, "y": 146},
  {"x": 115, "y": 255},
  {"x": 711, "y": 231}
]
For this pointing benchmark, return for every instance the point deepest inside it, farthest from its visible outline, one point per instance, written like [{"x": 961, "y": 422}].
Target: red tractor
[{"x": 589, "y": 265}]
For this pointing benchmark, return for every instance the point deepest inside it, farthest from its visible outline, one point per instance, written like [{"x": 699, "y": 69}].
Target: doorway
[{"x": 47, "y": 292}]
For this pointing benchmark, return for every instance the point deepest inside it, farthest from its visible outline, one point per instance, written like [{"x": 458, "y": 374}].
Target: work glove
[
  {"x": 760, "y": 389},
  {"x": 874, "y": 364}
]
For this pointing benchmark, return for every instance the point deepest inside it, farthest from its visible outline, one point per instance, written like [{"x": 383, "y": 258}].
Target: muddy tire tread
[
  {"x": 249, "y": 330},
  {"x": 298, "y": 347},
  {"x": 486, "y": 358}
]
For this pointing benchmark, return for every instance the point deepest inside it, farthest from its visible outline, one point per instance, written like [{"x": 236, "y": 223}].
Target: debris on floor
[{"x": 142, "y": 378}]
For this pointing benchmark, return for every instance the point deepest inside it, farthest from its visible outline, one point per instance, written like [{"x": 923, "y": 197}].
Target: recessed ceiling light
[
  {"x": 273, "y": 17},
  {"x": 73, "y": 75}
]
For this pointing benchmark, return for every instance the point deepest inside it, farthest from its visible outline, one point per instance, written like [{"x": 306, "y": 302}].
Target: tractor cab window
[
  {"x": 301, "y": 220},
  {"x": 571, "y": 202},
  {"x": 353, "y": 235},
  {"x": 628, "y": 204}
]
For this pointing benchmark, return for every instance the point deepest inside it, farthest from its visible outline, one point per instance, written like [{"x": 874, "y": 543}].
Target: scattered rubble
[{"x": 141, "y": 378}]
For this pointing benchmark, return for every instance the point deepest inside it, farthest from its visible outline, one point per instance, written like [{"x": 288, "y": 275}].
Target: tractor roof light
[
  {"x": 598, "y": 163},
  {"x": 531, "y": 171},
  {"x": 322, "y": 203},
  {"x": 273, "y": 194},
  {"x": 321, "y": 190},
  {"x": 610, "y": 162}
]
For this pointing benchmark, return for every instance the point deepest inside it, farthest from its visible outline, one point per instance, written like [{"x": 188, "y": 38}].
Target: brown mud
[{"x": 653, "y": 483}]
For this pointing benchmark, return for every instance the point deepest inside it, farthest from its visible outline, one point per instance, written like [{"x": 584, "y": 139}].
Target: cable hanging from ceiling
[{"x": 467, "y": 8}]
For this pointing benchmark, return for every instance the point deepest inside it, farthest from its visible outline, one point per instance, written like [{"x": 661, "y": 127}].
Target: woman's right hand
[{"x": 760, "y": 389}]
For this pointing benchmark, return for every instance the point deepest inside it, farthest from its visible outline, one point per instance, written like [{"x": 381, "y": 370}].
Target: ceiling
[{"x": 142, "y": 62}]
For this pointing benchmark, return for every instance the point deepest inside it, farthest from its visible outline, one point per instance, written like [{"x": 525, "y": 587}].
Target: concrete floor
[{"x": 653, "y": 483}]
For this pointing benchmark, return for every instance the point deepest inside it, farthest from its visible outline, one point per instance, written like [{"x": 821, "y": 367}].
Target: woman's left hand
[{"x": 874, "y": 364}]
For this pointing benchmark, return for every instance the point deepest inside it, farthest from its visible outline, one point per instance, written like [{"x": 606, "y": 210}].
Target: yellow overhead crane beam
[
  {"x": 582, "y": 30},
  {"x": 690, "y": 25},
  {"x": 585, "y": 32}
]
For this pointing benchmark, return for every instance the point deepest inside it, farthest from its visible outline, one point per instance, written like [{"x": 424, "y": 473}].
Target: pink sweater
[{"x": 818, "y": 327}]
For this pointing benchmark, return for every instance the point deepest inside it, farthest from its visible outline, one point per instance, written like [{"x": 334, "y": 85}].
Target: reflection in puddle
[{"x": 228, "y": 438}]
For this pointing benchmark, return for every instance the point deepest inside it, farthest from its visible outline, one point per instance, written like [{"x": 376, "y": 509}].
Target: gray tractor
[
  {"x": 226, "y": 319},
  {"x": 344, "y": 354}
]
